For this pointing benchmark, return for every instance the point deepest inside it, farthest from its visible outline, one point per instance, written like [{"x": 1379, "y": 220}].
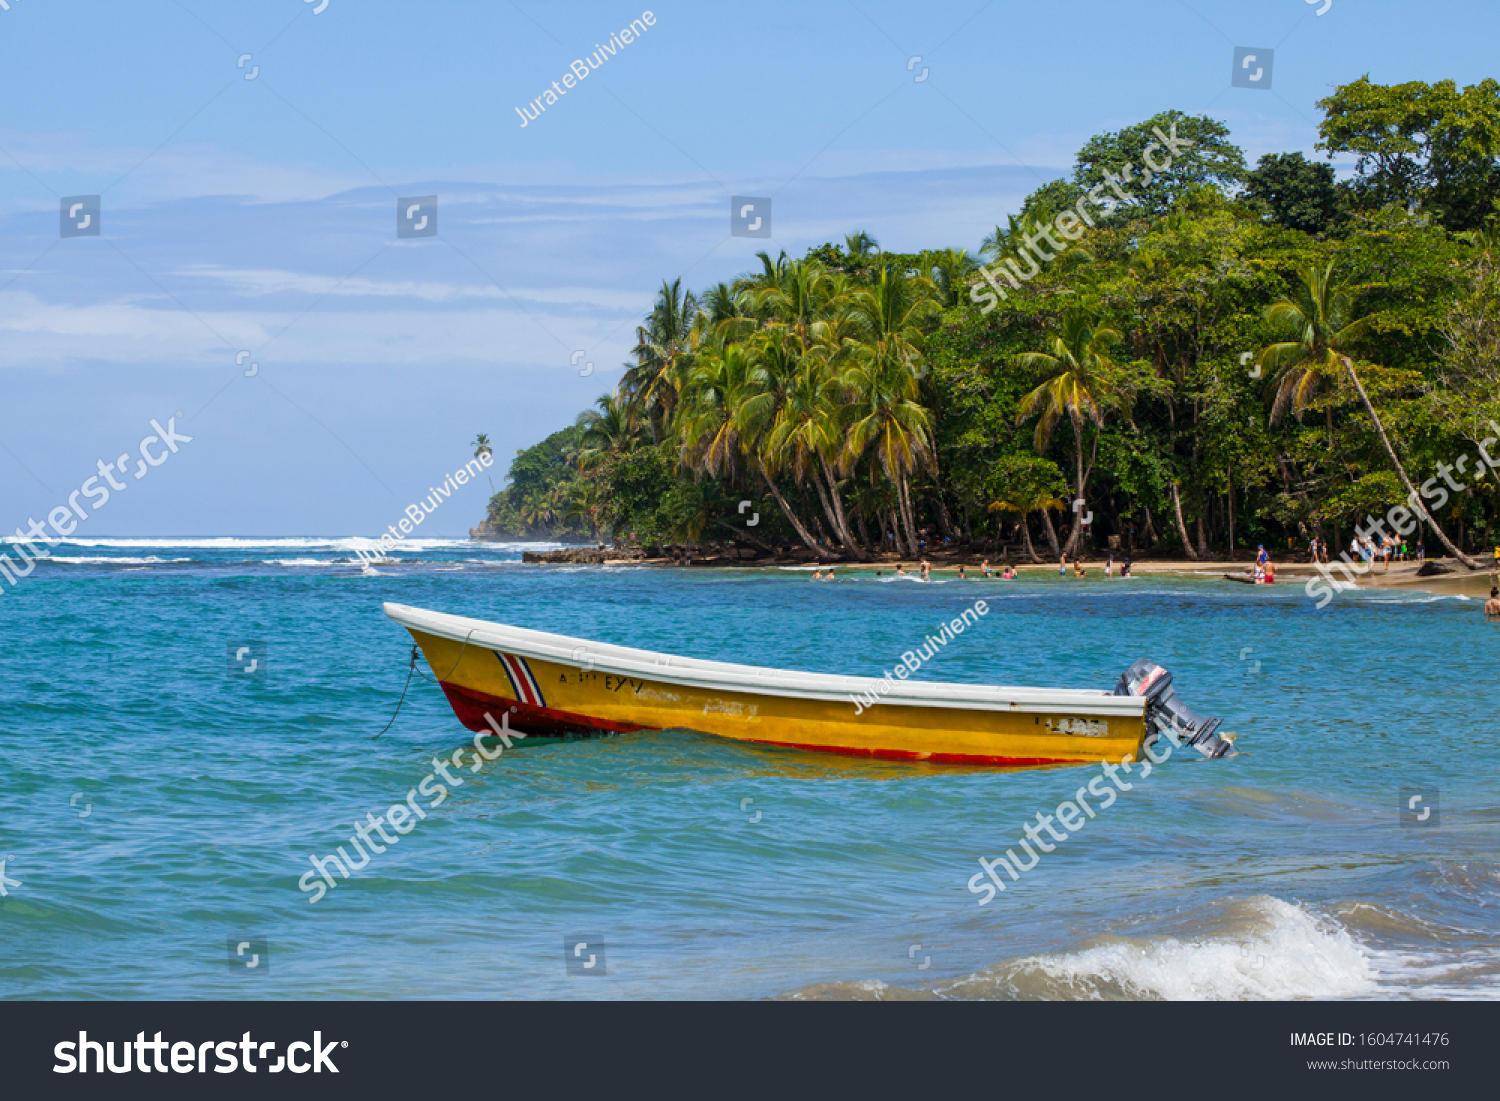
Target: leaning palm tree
[
  {"x": 885, "y": 418},
  {"x": 1319, "y": 330},
  {"x": 1079, "y": 391},
  {"x": 860, "y": 244},
  {"x": 774, "y": 356},
  {"x": 481, "y": 445},
  {"x": 807, "y": 433}
]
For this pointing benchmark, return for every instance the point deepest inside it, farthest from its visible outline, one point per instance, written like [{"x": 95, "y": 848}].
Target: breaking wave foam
[{"x": 1281, "y": 952}]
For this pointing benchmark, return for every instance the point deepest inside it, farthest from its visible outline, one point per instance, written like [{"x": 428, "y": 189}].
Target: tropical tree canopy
[{"x": 1233, "y": 358}]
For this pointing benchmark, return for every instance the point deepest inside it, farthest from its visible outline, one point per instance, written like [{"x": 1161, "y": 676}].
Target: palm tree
[
  {"x": 705, "y": 422},
  {"x": 722, "y": 314},
  {"x": 1025, "y": 484},
  {"x": 1319, "y": 330},
  {"x": 886, "y": 418},
  {"x": 608, "y": 432},
  {"x": 481, "y": 445},
  {"x": 807, "y": 435},
  {"x": 860, "y": 244},
  {"x": 995, "y": 245},
  {"x": 1026, "y": 502},
  {"x": 1079, "y": 391},
  {"x": 770, "y": 275},
  {"x": 663, "y": 346},
  {"x": 582, "y": 503},
  {"x": 774, "y": 356},
  {"x": 540, "y": 509},
  {"x": 949, "y": 270}
]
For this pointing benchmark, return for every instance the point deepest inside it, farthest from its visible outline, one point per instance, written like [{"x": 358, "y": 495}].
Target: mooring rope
[
  {"x": 413, "y": 669},
  {"x": 402, "y": 700}
]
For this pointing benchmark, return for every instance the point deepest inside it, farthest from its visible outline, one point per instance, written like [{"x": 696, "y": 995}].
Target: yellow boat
[{"x": 551, "y": 686}]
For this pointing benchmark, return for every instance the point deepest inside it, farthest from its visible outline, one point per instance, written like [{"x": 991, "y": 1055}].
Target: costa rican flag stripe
[{"x": 522, "y": 683}]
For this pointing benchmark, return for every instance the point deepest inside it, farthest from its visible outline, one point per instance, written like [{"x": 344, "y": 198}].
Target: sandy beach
[{"x": 1399, "y": 574}]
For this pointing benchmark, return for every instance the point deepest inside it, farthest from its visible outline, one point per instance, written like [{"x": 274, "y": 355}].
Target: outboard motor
[{"x": 1164, "y": 711}]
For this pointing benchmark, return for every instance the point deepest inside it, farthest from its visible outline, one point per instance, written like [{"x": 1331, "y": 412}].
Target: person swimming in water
[
  {"x": 985, "y": 566},
  {"x": 1125, "y": 568},
  {"x": 900, "y": 570},
  {"x": 961, "y": 575},
  {"x": 1109, "y": 566},
  {"x": 1492, "y": 605},
  {"x": 926, "y": 570},
  {"x": 817, "y": 575},
  {"x": 1062, "y": 566},
  {"x": 1009, "y": 574}
]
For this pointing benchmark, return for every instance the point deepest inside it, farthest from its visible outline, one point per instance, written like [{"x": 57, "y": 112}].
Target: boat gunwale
[{"x": 721, "y": 676}]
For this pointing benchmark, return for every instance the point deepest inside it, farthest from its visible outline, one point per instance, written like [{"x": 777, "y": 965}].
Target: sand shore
[{"x": 1294, "y": 574}]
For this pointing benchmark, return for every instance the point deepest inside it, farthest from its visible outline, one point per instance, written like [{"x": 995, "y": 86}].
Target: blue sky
[{"x": 259, "y": 215}]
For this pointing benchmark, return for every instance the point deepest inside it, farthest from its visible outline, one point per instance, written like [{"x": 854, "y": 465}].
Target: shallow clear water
[{"x": 156, "y": 805}]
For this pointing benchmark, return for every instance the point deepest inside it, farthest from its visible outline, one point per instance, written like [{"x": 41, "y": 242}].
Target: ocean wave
[
  {"x": 1262, "y": 948},
  {"x": 1259, "y": 948},
  {"x": 1425, "y": 598},
  {"x": 92, "y": 560}
]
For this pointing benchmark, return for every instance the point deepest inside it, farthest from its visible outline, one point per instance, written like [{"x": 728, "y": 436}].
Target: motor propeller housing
[{"x": 1164, "y": 711}]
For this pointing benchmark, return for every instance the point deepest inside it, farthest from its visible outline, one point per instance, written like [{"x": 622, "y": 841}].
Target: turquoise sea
[{"x": 159, "y": 804}]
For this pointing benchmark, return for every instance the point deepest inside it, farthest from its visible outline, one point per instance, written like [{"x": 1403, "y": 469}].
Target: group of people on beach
[
  {"x": 1080, "y": 570},
  {"x": 1385, "y": 549},
  {"x": 1007, "y": 572},
  {"x": 1265, "y": 569}
]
